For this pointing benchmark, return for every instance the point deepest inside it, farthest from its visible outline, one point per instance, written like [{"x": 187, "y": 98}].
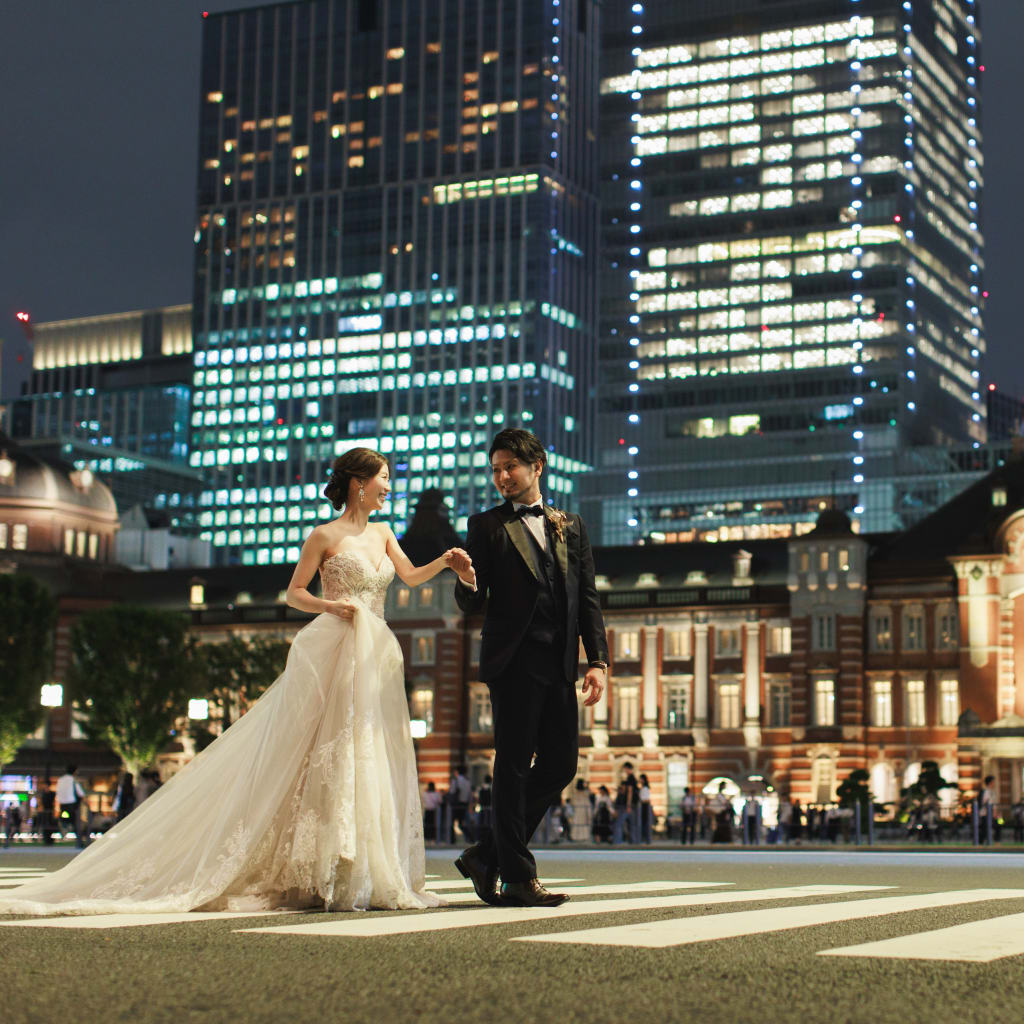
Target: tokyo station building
[{"x": 778, "y": 666}]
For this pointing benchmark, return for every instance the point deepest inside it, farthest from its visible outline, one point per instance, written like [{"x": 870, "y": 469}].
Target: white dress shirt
[{"x": 535, "y": 524}]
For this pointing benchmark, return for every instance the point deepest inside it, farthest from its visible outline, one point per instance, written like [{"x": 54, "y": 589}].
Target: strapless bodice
[{"x": 349, "y": 574}]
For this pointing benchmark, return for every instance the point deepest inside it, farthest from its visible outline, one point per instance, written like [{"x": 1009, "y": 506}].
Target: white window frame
[
  {"x": 626, "y": 695},
  {"x": 780, "y": 697},
  {"x": 734, "y": 704},
  {"x": 949, "y": 686},
  {"x": 914, "y": 640},
  {"x": 915, "y": 702},
  {"x": 422, "y": 638},
  {"x": 881, "y": 703},
  {"x": 672, "y": 687},
  {"x": 823, "y": 631},
  {"x": 627, "y": 644},
  {"x": 875, "y": 617},
  {"x": 825, "y": 701}
]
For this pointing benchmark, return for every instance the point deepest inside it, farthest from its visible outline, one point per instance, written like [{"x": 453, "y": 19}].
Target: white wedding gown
[{"x": 309, "y": 799}]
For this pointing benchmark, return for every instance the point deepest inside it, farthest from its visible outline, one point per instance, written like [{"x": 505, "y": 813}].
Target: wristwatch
[{"x": 599, "y": 664}]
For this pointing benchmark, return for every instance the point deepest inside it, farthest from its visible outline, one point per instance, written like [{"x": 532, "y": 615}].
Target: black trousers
[{"x": 536, "y": 751}]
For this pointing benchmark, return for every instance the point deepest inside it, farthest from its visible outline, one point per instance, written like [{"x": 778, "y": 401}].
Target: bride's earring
[{"x": 362, "y": 494}]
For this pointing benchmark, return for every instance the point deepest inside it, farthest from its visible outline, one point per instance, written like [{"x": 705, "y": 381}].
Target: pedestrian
[
  {"x": 12, "y": 822},
  {"x": 721, "y": 808},
  {"x": 460, "y": 793},
  {"x": 796, "y": 824},
  {"x": 646, "y": 811},
  {"x": 47, "y": 804},
  {"x": 603, "y": 815},
  {"x": 1018, "y": 821},
  {"x": 431, "y": 802},
  {"x": 483, "y": 802},
  {"x": 70, "y": 796},
  {"x": 580, "y": 803},
  {"x": 627, "y": 800},
  {"x": 988, "y": 820},
  {"x": 689, "y": 813},
  {"x": 124, "y": 800},
  {"x": 785, "y": 819}
]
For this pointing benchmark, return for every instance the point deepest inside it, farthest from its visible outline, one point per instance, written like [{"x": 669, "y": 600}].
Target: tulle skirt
[{"x": 309, "y": 799}]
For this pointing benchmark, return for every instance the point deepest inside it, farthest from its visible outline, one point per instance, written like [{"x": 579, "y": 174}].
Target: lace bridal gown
[{"x": 309, "y": 799}]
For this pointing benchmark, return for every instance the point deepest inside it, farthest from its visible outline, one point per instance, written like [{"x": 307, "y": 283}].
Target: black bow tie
[{"x": 529, "y": 510}]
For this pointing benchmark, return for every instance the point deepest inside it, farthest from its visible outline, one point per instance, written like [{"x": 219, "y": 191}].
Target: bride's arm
[
  {"x": 298, "y": 596},
  {"x": 454, "y": 558}
]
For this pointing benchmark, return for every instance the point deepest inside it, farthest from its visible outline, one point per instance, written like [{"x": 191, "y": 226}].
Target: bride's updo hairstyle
[{"x": 355, "y": 464}]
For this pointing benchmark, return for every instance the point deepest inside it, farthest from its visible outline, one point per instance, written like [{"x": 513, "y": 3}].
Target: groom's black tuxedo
[
  {"x": 512, "y": 580},
  {"x": 539, "y": 603}
]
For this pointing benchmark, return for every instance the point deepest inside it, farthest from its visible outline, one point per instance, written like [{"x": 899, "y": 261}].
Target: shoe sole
[
  {"x": 493, "y": 901},
  {"x": 506, "y": 902}
]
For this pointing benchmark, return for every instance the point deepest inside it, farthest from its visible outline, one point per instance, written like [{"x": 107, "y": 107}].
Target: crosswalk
[{"x": 705, "y": 915}]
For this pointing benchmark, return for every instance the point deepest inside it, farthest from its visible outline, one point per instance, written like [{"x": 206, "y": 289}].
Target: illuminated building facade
[
  {"x": 396, "y": 247},
  {"x": 791, "y": 262},
  {"x": 112, "y": 394}
]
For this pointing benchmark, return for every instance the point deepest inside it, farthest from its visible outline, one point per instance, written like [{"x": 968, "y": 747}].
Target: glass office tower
[
  {"x": 111, "y": 394},
  {"x": 791, "y": 263},
  {"x": 396, "y": 247}
]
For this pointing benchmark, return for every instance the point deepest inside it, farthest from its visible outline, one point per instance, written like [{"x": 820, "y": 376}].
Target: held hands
[
  {"x": 594, "y": 681},
  {"x": 461, "y": 564}
]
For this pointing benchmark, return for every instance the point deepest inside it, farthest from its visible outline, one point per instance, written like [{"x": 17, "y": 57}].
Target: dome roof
[{"x": 26, "y": 477}]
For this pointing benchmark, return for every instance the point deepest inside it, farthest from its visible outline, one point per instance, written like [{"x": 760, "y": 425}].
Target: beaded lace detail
[{"x": 350, "y": 575}]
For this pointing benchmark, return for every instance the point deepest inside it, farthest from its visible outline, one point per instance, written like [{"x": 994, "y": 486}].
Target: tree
[
  {"x": 927, "y": 786},
  {"x": 28, "y": 613},
  {"x": 236, "y": 672},
  {"x": 854, "y": 790},
  {"x": 132, "y": 673}
]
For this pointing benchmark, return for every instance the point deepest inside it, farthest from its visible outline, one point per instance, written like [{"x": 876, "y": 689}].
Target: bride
[{"x": 311, "y": 798}]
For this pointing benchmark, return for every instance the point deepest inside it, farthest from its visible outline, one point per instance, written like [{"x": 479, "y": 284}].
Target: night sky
[{"x": 97, "y": 163}]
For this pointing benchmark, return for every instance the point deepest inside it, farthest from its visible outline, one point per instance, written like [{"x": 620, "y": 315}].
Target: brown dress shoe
[
  {"x": 530, "y": 894},
  {"x": 483, "y": 877}
]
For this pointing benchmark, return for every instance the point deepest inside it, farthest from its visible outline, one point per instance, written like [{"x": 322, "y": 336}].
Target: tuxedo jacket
[{"x": 509, "y": 585}]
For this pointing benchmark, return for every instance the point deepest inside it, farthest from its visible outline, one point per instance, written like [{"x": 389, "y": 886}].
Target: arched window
[
  {"x": 823, "y": 779},
  {"x": 911, "y": 773}
]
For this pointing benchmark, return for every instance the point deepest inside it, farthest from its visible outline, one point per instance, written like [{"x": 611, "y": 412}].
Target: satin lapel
[{"x": 517, "y": 534}]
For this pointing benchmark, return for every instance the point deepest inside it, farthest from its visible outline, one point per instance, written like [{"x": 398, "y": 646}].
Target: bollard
[
  {"x": 745, "y": 821},
  {"x": 856, "y": 824},
  {"x": 757, "y": 824},
  {"x": 974, "y": 822},
  {"x": 871, "y": 824},
  {"x": 988, "y": 825}
]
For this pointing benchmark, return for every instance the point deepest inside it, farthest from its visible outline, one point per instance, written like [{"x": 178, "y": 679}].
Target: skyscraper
[
  {"x": 396, "y": 246},
  {"x": 791, "y": 264},
  {"x": 111, "y": 394}
]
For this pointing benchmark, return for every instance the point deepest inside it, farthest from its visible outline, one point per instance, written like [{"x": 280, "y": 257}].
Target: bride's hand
[
  {"x": 343, "y": 609},
  {"x": 461, "y": 564}
]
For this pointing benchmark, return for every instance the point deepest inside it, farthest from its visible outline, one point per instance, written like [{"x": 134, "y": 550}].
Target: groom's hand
[
  {"x": 594, "y": 681},
  {"x": 462, "y": 565}
]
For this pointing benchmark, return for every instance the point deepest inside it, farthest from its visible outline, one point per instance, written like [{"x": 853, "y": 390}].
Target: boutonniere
[{"x": 558, "y": 519}]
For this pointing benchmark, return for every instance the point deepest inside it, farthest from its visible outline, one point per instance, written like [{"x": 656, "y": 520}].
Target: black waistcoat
[{"x": 548, "y": 623}]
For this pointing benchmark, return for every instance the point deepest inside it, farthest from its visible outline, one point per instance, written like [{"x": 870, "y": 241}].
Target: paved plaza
[{"x": 659, "y": 935}]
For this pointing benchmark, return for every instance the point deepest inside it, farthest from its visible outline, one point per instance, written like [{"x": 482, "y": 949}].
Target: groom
[{"x": 535, "y": 571}]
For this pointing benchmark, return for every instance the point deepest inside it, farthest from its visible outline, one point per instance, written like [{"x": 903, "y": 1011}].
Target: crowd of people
[
  {"x": 63, "y": 811},
  {"x": 626, "y": 815}
]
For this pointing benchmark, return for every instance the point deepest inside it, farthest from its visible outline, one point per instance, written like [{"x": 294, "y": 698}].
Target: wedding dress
[{"x": 309, "y": 799}]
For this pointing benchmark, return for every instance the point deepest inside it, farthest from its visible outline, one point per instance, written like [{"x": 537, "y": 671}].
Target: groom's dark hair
[{"x": 523, "y": 444}]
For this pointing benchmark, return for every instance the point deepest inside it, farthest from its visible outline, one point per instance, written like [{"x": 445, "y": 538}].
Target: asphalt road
[{"x": 658, "y": 935}]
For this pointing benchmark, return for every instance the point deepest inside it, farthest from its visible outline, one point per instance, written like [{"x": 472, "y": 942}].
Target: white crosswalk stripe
[
  {"x": 979, "y": 942},
  {"x": 686, "y": 930},
  {"x": 464, "y": 883},
  {"x": 135, "y": 920},
  {"x": 581, "y": 890},
  {"x": 443, "y": 920}
]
